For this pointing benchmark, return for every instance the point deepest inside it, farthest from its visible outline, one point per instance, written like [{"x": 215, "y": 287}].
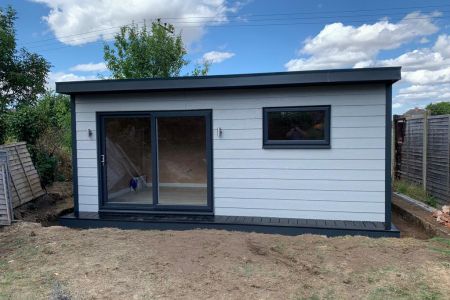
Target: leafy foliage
[
  {"x": 201, "y": 70},
  {"x": 46, "y": 165},
  {"x": 440, "y": 108},
  {"x": 45, "y": 126},
  {"x": 142, "y": 53},
  {"x": 26, "y": 124},
  {"x": 22, "y": 74},
  {"x": 27, "y": 112},
  {"x": 56, "y": 109},
  {"x": 3, "y": 128}
]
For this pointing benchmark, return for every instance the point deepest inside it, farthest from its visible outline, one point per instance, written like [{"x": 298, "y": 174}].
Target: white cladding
[{"x": 346, "y": 182}]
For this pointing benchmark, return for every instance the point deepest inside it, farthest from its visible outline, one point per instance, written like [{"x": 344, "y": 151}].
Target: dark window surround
[
  {"x": 297, "y": 144},
  {"x": 155, "y": 207}
]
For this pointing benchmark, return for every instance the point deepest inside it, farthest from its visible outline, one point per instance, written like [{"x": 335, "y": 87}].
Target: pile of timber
[
  {"x": 25, "y": 184},
  {"x": 443, "y": 215}
]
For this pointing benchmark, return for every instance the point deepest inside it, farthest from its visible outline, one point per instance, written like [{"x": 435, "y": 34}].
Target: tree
[
  {"x": 440, "y": 108},
  {"x": 140, "y": 53},
  {"x": 22, "y": 74},
  {"x": 45, "y": 126}
]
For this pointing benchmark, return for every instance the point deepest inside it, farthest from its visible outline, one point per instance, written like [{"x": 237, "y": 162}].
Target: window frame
[
  {"x": 297, "y": 144},
  {"x": 153, "y": 207}
]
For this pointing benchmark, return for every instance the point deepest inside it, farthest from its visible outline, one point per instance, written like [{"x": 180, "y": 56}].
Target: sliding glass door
[
  {"x": 155, "y": 160},
  {"x": 182, "y": 160},
  {"x": 127, "y": 160}
]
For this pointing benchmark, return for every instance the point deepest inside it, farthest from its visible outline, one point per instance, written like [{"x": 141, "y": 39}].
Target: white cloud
[
  {"x": 216, "y": 57},
  {"x": 416, "y": 60},
  {"x": 62, "y": 76},
  {"x": 431, "y": 93},
  {"x": 443, "y": 45},
  {"x": 89, "y": 67},
  {"x": 338, "y": 45},
  {"x": 74, "y": 17},
  {"x": 423, "y": 77},
  {"x": 426, "y": 69},
  {"x": 424, "y": 40}
]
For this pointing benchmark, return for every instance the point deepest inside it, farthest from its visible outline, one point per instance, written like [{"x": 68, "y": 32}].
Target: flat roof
[{"x": 235, "y": 81}]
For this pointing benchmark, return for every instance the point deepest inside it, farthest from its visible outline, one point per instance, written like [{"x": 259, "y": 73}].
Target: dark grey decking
[{"x": 284, "y": 226}]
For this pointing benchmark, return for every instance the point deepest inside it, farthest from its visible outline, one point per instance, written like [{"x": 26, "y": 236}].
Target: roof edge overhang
[{"x": 235, "y": 81}]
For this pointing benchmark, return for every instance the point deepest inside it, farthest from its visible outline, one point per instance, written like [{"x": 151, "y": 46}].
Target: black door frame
[{"x": 154, "y": 207}]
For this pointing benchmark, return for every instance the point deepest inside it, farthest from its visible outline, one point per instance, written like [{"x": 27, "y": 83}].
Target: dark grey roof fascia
[{"x": 300, "y": 78}]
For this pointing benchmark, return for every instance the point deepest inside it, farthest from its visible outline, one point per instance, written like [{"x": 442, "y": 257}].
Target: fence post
[{"x": 425, "y": 150}]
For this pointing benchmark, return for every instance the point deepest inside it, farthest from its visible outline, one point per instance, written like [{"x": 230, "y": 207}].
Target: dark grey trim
[
  {"x": 297, "y": 144},
  {"x": 283, "y": 226},
  {"x": 154, "y": 158},
  {"x": 101, "y": 174},
  {"x": 152, "y": 115},
  {"x": 206, "y": 113},
  {"x": 101, "y": 150},
  {"x": 73, "y": 126},
  {"x": 388, "y": 177},
  {"x": 300, "y": 78}
]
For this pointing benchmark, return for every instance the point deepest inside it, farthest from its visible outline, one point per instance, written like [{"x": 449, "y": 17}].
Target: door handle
[{"x": 102, "y": 159}]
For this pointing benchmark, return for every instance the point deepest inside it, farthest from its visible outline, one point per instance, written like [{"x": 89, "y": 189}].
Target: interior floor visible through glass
[{"x": 170, "y": 196}]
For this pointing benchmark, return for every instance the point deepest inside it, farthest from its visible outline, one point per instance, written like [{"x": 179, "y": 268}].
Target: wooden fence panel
[
  {"x": 409, "y": 164},
  {"x": 412, "y": 151},
  {"x": 25, "y": 182},
  {"x": 438, "y": 174},
  {"x": 5, "y": 192}
]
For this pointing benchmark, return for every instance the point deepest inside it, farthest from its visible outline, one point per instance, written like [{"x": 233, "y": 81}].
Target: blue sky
[{"x": 256, "y": 36}]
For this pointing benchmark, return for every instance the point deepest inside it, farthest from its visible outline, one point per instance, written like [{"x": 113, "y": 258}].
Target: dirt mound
[
  {"x": 109, "y": 263},
  {"x": 47, "y": 208}
]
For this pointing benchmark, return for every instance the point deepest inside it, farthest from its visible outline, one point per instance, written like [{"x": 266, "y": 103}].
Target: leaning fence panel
[
  {"x": 5, "y": 191},
  {"x": 25, "y": 182}
]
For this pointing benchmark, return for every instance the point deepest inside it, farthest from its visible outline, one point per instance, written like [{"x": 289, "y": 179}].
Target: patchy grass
[
  {"x": 441, "y": 245},
  {"x": 60, "y": 263},
  {"x": 414, "y": 191}
]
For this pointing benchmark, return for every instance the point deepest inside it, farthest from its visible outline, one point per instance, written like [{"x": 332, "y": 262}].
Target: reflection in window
[
  {"x": 128, "y": 160},
  {"x": 297, "y": 126}
]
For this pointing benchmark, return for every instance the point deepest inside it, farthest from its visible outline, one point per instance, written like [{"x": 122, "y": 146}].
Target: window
[{"x": 296, "y": 127}]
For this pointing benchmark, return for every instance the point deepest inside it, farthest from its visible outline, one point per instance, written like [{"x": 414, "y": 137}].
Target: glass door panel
[
  {"x": 127, "y": 160},
  {"x": 182, "y": 160}
]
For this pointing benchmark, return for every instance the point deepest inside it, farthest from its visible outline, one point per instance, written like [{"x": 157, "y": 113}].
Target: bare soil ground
[
  {"x": 407, "y": 229},
  {"x": 40, "y": 262},
  {"x": 49, "y": 207}
]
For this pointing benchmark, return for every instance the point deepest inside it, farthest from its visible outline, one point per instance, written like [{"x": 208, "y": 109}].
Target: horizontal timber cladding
[{"x": 346, "y": 182}]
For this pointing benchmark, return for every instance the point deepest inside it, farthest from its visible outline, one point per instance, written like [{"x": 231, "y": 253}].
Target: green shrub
[
  {"x": 57, "y": 110},
  {"x": 46, "y": 166},
  {"x": 51, "y": 143},
  {"x": 401, "y": 187},
  {"x": 26, "y": 124},
  {"x": 3, "y": 127},
  {"x": 431, "y": 201},
  {"x": 46, "y": 128},
  {"x": 414, "y": 191},
  {"x": 440, "y": 108}
]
